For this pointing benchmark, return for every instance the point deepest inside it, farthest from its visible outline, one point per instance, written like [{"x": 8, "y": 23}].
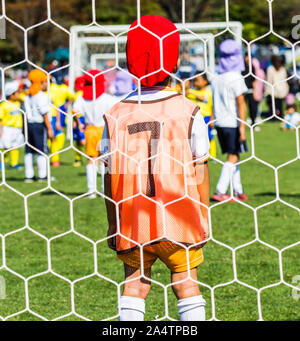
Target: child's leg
[
  {"x": 54, "y": 149},
  {"x": 61, "y": 140},
  {"x": 80, "y": 147},
  {"x": 28, "y": 163},
  {"x": 191, "y": 304},
  {"x": 41, "y": 161},
  {"x": 91, "y": 176},
  {"x": 213, "y": 148},
  {"x": 225, "y": 176},
  {"x": 236, "y": 180},
  {"x": 92, "y": 140},
  {"x": 14, "y": 157},
  {"x": 224, "y": 179},
  {"x": 132, "y": 301}
]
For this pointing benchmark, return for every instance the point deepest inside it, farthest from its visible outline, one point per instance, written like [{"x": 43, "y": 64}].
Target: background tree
[{"x": 253, "y": 14}]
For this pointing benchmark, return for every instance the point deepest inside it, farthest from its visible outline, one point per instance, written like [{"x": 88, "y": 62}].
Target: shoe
[
  {"x": 92, "y": 196},
  {"x": 29, "y": 180},
  {"x": 77, "y": 164},
  {"x": 241, "y": 196},
  {"x": 220, "y": 196},
  {"x": 52, "y": 178},
  {"x": 16, "y": 167},
  {"x": 55, "y": 164}
]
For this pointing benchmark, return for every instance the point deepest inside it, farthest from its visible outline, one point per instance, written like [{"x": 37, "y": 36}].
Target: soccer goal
[{"x": 94, "y": 46}]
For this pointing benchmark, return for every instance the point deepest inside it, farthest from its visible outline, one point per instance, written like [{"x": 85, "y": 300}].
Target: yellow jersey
[
  {"x": 10, "y": 115},
  {"x": 206, "y": 106},
  {"x": 59, "y": 94}
]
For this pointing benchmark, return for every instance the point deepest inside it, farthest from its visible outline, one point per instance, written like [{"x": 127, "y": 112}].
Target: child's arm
[
  {"x": 78, "y": 123},
  {"x": 199, "y": 97},
  {"x": 202, "y": 176},
  {"x": 110, "y": 206},
  {"x": 241, "y": 104},
  {"x": 48, "y": 126},
  {"x": 111, "y": 213}
]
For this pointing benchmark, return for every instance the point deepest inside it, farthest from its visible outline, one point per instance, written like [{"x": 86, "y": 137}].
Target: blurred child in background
[
  {"x": 93, "y": 104},
  {"x": 292, "y": 117},
  {"x": 202, "y": 96},
  {"x": 61, "y": 97},
  {"x": 78, "y": 122},
  {"x": 230, "y": 113},
  {"x": 11, "y": 123},
  {"x": 37, "y": 110}
]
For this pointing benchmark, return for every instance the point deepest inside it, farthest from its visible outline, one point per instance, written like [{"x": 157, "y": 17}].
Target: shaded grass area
[{"x": 74, "y": 256}]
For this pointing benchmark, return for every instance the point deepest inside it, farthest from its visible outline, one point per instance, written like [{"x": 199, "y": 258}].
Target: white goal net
[{"x": 94, "y": 46}]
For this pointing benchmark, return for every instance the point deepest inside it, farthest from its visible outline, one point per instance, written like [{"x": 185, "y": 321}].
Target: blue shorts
[
  {"x": 37, "y": 138},
  {"x": 206, "y": 120},
  {"x": 77, "y": 134},
  {"x": 229, "y": 141}
]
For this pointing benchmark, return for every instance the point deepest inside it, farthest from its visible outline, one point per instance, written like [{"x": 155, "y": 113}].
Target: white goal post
[{"x": 90, "y": 46}]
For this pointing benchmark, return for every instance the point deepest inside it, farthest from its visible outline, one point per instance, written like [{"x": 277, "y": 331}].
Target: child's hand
[
  {"x": 50, "y": 134},
  {"x": 211, "y": 122},
  {"x": 205, "y": 226},
  {"x": 206, "y": 229}
]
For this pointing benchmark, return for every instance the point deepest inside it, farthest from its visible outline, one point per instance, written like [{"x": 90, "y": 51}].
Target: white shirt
[
  {"x": 36, "y": 106},
  {"x": 277, "y": 77},
  {"x": 94, "y": 110},
  {"x": 226, "y": 88},
  {"x": 292, "y": 119},
  {"x": 199, "y": 134}
]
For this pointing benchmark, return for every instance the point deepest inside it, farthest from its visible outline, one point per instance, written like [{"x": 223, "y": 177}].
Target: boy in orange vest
[{"x": 158, "y": 179}]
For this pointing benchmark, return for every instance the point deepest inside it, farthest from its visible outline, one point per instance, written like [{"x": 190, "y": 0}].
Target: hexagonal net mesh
[{"x": 236, "y": 275}]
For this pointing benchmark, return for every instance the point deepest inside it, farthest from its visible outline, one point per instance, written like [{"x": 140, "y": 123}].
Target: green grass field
[{"x": 24, "y": 250}]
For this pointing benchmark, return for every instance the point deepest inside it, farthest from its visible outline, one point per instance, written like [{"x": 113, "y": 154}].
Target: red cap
[
  {"x": 79, "y": 83},
  {"x": 143, "y": 49},
  {"x": 88, "y": 93}
]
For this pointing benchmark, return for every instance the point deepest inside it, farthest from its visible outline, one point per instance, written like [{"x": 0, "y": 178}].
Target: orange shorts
[
  {"x": 174, "y": 256},
  {"x": 93, "y": 137}
]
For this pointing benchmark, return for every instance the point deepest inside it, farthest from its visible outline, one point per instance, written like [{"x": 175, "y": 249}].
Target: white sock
[
  {"x": 91, "y": 173},
  {"x": 41, "y": 161},
  {"x": 28, "y": 163},
  {"x": 224, "y": 179},
  {"x": 192, "y": 308},
  {"x": 102, "y": 171},
  {"x": 236, "y": 180},
  {"x": 131, "y": 308}
]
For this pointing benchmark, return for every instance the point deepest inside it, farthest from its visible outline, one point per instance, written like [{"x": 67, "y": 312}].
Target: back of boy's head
[{"x": 145, "y": 54}]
